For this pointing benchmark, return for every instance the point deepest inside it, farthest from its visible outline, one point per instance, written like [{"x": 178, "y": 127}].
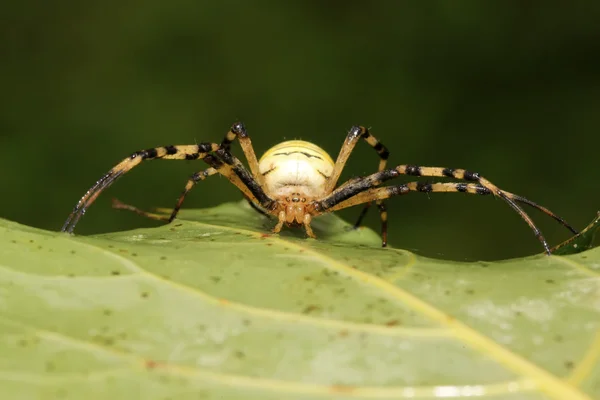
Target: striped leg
[
  {"x": 239, "y": 130},
  {"x": 181, "y": 152},
  {"x": 371, "y": 181},
  {"x": 198, "y": 176},
  {"x": 355, "y": 133},
  {"x": 217, "y": 167},
  {"x": 233, "y": 169},
  {"x": 445, "y": 187}
]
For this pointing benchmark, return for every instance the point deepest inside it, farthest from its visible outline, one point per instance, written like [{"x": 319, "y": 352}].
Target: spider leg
[
  {"x": 440, "y": 187},
  {"x": 181, "y": 152},
  {"x": 239, "y": 130},
  {"x": 371, "y": 181},
  {"x": 218, "y": 167},
  {"x": 356, "y": 133},
  {"x": 234, "y": 171},
  {"x": 245, "y": 181}
]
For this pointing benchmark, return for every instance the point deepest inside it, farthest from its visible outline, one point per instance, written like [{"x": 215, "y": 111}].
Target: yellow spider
[{"x": 297, "y": 180}]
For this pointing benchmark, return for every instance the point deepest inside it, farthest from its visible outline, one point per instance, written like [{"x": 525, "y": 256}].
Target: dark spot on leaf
[
  {"x": 550, "y": 281},
  {"x": 469, "y": 291},
  {"x": 269, "y": 244},
  {"x": 23, "y": 342},
  {"x": 518, "y": 313},
  {"x": 308, "y": 278},
  {"x": 246, "y": 322},
  {"x": 163, "y": 257},
  {"x": 71, "y": 275},
  {"x": 50, "y": 366},
  {"x": 73, "y": 252},
  {"x": 116, "y": 273},
  {"x": 310, "y": 308},
  {"x": 215, "y": 279},
  {"x": 40, "y": 247},
  {"x": 110, "y": 246},
  {"x": 393, "y": 322},
  {"x": 239, "y": 354},
  {"x": 558, "y": 338},
  {"x": 178, "y": 225},
  {"x": 144, "y": 294},
  {"x": 569, "y": 364},
  {"x": 123, "y": 251},
  {"x": 134, "y": 254},
  {"x": 13, "y": 241},
  {"x": 264, "y": 235},
  {"x": 30, "y": 240},
  {"x": 151, "y": 364},
  {"x": 107, "y": 312},
  {"x": 447, "y": 292}
]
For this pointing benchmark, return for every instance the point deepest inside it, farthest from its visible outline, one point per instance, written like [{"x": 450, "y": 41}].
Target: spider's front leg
[
  {"x": 366, "y": 189},
  {"x": 180, "y": 152},
  {"x": 223, "y": 162},
  {"x": 356, "y": 133},
  {"x": 232, "y": 169}
]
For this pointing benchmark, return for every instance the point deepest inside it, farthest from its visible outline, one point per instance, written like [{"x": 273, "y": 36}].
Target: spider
[{"x": 297, "y": 180}]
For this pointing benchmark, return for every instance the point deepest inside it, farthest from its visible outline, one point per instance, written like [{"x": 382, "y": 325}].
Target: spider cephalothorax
[{"x": 295, "y": 181}]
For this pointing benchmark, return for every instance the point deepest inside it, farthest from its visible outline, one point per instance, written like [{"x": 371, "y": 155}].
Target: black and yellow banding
[
  {"x": 198, "y": 176},
  {"x": 361, "y": 191},
  {"x": 239, "y": 130},
  {"x": 356, "y": 133},
  {"x": 217, "y": 167},
  {"x": 248, "y": 179},
  {"x": 180, "y": 152},
  {"x": 298, "y": 179}
]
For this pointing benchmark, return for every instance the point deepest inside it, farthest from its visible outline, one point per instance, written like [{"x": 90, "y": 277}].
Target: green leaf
[
  {"x": 213, "y": 307},
  {"x": 580, "y": 242}
]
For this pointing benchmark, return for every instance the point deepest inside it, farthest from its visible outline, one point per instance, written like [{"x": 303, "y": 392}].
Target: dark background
[{"x": 509, "y": 89}]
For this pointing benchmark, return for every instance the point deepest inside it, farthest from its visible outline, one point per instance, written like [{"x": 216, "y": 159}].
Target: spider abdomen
[{"x": 295, "y": 167}]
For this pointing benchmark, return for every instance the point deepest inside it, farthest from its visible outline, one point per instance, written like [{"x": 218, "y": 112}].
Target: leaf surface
[{"x": 213, "y": 307}]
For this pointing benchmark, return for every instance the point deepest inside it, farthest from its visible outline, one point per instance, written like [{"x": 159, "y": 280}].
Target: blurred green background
[{"x": 509, "y": 89}]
